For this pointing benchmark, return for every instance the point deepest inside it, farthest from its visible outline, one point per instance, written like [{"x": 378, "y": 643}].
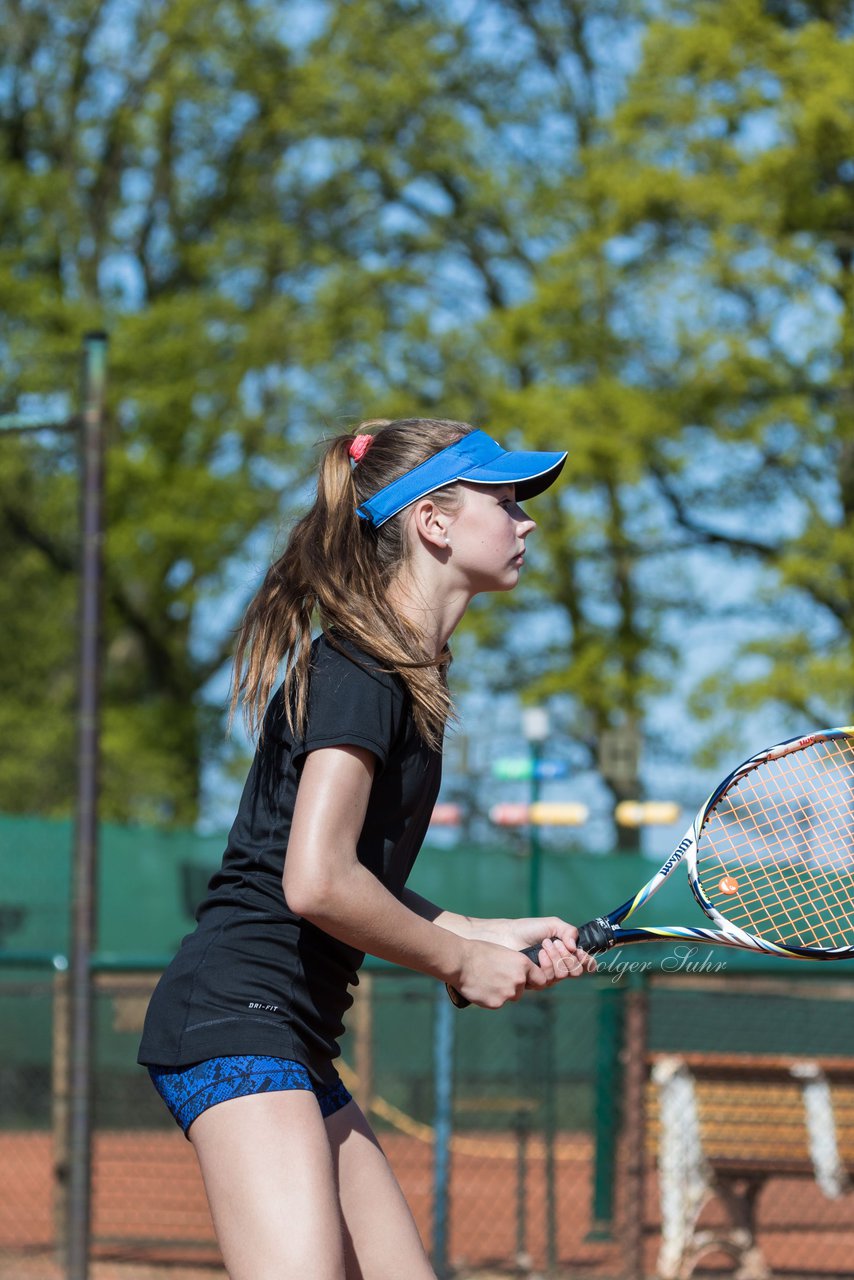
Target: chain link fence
[{"x": 634, "y": 1124}]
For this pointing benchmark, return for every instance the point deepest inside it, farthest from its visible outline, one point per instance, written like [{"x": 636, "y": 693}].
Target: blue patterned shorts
[{"x": 188, "y": 1091}]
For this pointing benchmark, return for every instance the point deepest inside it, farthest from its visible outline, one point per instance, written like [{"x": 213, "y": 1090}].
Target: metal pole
[
  {"x": 535, "y": 860},
  {"x": 550, "y": 1126},
  {"x": 549, "y": 1119},
  {"x": 634, "y": 1066},
  {"x": 84, "y": 902},
  {"x": 522, "y": 1124},
  {"x": 527, "y": 1051},
  {"x": 606, "y": 1108},
  {"x": 362, "y": 1025},
  {"x": 443, "y": 1064}
]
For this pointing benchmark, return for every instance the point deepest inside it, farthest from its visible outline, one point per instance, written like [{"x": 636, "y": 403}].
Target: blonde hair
[{"x": 336, "y": 570}]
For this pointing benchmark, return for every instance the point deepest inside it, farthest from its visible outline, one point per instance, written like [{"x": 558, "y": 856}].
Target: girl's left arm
[{"x": 558, "y": 958}]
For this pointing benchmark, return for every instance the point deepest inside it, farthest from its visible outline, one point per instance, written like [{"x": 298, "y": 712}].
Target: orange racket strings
[
  {"x": 776, "y": 852},
  {"x": 781, "y": 808}
]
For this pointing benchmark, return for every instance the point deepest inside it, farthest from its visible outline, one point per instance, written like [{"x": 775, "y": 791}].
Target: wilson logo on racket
[{"x": 678, "y": 853}]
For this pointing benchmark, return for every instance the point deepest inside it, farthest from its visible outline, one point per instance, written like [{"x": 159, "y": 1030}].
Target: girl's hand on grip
[
  {"x": 493, "y": 975},
  {"x": 554, "y": 943},
  {"x": 556, "y": 961}
]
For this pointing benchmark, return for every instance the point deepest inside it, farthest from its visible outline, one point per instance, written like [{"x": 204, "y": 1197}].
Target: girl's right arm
[
  {"x": 325, "y": 883},
  {"x": 559, "y": 955}
]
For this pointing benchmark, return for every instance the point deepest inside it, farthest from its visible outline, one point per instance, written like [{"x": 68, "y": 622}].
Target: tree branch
[
  {"x": 158, "y": 653},
  {"x": 703, "y": 533}
]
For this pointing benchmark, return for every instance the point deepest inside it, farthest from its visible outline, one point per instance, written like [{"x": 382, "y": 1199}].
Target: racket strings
[
  {"x": 802, "y": 887},
  {"x": 788, "y": 817},
  {"x": 790, "y": 884},
  {"x": 776, "y": 854}
]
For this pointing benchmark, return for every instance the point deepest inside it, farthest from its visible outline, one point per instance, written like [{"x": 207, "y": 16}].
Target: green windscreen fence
[{"x": 150, "y": 881}]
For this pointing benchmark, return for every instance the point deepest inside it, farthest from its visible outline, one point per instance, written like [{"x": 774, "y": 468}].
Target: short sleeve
[{"x": 351, "y": 702}]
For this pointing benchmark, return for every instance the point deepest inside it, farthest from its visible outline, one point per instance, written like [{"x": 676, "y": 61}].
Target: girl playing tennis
[{"x": 410, "y": 522}]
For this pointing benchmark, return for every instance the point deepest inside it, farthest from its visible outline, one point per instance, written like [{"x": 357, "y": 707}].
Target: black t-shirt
[{"x": 254, "y": 977}]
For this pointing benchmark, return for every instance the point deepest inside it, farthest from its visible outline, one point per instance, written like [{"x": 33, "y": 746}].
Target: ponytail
[{"x": 335, "y": 571}]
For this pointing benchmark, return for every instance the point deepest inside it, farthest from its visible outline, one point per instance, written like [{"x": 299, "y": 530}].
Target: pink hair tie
[{"x": 359, "y": 446}]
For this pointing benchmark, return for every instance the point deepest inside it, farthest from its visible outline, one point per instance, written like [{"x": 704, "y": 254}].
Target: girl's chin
[{"x": 505, "y": 582}]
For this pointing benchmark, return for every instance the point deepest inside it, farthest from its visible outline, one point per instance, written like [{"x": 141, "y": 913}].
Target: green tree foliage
[
  {"x": 693, "y": 334},
  {"x": 567, "y": 361},
  {"x": 739, "y": 129},
  {"x": 289, "y": 216},
  {"x": 252, "y": 200}
]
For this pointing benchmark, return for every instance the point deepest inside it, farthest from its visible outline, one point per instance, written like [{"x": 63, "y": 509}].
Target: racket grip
[
  {"x": 456, "y": 998},
  {"x": 596, "y": 936}
]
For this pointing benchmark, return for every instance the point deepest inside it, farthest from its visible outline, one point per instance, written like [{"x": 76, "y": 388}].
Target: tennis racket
[{"x": 769, "y": 856}]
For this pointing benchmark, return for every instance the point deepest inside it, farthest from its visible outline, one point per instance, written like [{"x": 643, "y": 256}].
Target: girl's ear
[{"x": 430, "y": 523}]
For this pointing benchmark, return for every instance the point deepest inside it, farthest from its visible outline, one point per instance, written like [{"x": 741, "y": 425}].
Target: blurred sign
[
  {"x": 523, "y": 768},
  {"x": 646, "y": 813},
  {"x": 548, "y": 769},
  {"x": 513, "y": 769},
  {"x": 446, "y": 815},
  {"x": 509, "y": 815},
  {"x": 541, "y": 814}
]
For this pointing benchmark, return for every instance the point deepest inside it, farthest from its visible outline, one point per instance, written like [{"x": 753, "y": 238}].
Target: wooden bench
[{"x": 722, "y": 1125}]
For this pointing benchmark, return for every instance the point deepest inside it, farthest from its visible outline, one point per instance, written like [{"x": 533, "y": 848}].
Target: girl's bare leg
[
  {"x": 271, "y": 1185},
  {"x": 381, "y": 1241}
]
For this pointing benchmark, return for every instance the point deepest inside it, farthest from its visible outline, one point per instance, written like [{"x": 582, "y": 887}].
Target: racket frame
[
  {"x": 607, "y": 932},
  {"x": 726, "y": 934}
]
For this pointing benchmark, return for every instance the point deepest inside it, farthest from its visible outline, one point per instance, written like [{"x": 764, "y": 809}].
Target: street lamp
[
  {"x": 535, "y": 724},
  {"x": 535, "y": 727}
]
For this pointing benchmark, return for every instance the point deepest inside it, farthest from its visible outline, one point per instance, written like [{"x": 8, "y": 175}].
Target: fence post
[
  {"x": 606, "y": 1112},
  {"x": 634, "y": 1068},
  {"x": 59, "y": 1110},
  {"x": 523, "y": 1124},
  {"x": 526, "y": 1022},
  {"x": 84, "y": 914},
  {"x": 443, "y": 1061},
  {"x": 363, "y": 1042},
  {"x": 549, "y": 1124}
]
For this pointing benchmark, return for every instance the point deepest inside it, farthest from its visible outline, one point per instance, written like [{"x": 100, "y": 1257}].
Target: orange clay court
[{"x": 151, "y": 1219}]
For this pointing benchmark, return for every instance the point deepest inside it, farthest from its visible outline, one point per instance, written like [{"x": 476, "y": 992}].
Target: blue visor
[{"x": 477, "y": 459}]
